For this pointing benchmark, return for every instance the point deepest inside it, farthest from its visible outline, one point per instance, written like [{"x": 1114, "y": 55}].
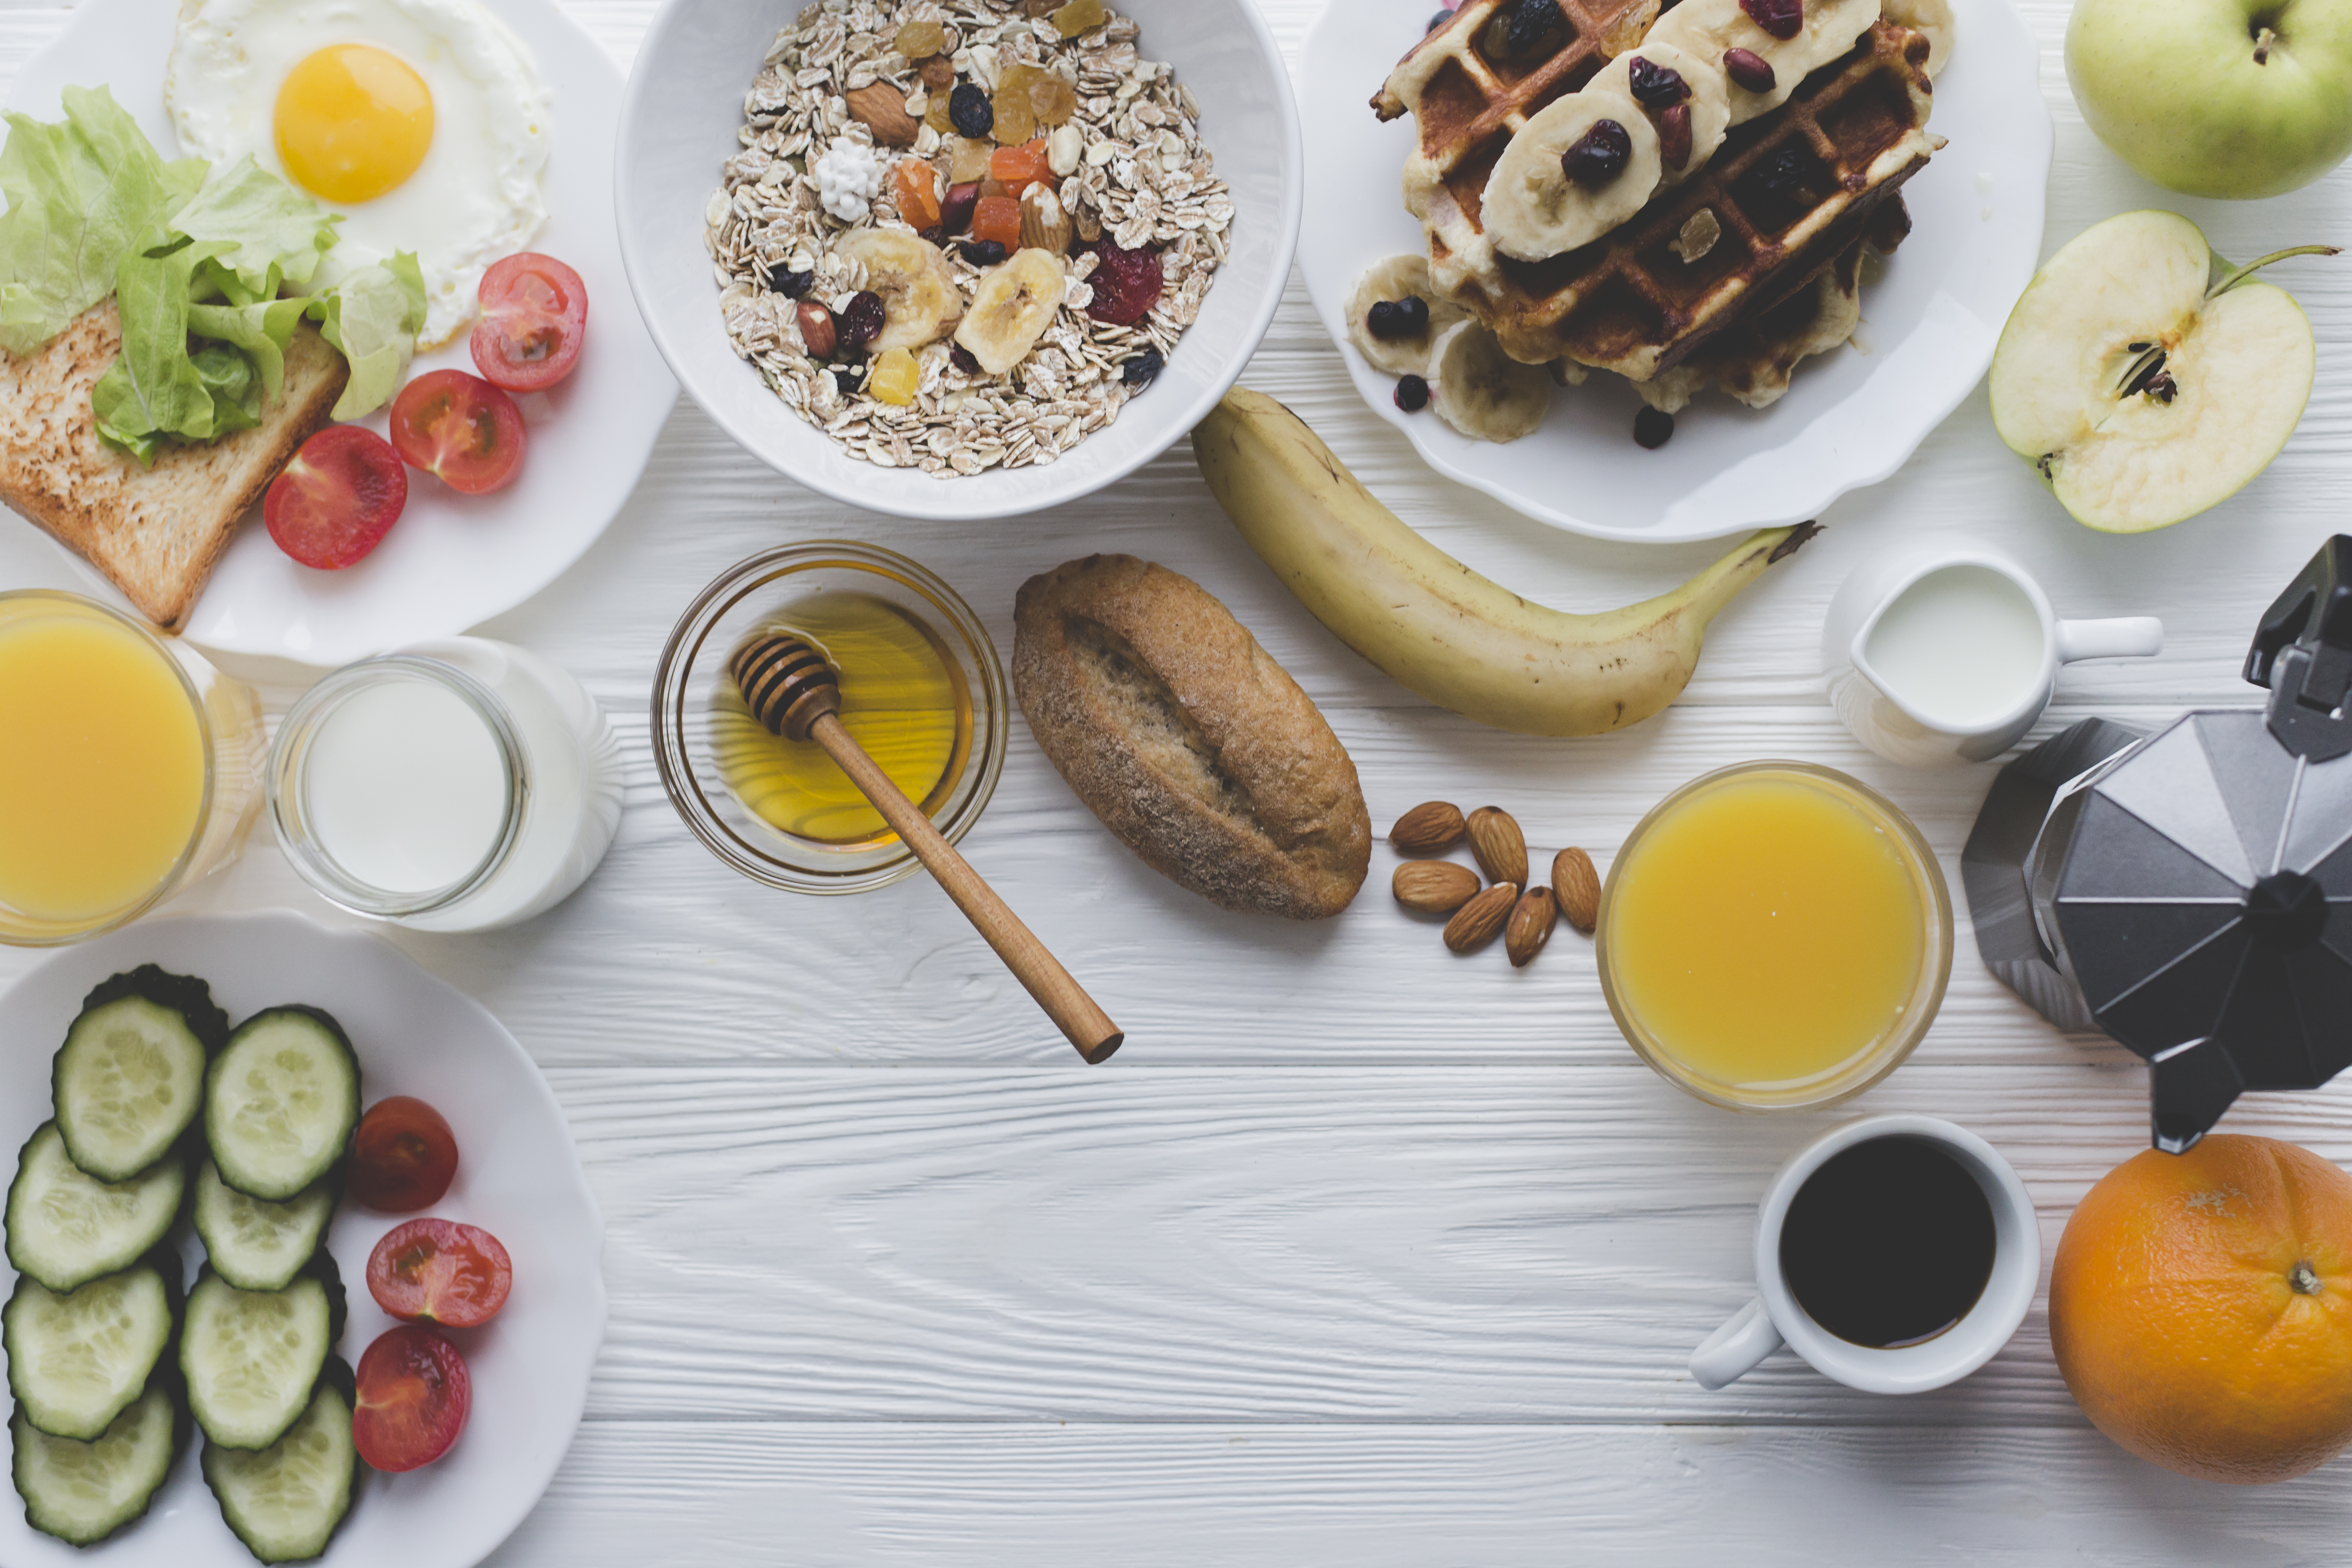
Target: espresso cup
[{"x": 1776, "y": 1317}]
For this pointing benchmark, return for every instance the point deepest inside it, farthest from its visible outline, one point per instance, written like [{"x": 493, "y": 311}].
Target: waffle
[{"x": 1788, "y": 192}]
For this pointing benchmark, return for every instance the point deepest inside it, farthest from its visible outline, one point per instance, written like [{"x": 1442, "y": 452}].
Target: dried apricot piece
[
  {"x": 1079, "y": 16},
  {"x": 895, "y": 378},
  {"x": 998, "y": 218},
  {"x": 916, "y": 186},
  {"x": 1018, "y": 168}
]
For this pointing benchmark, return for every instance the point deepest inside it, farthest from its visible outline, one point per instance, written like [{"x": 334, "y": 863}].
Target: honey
[{"x": 903, "y": 698}]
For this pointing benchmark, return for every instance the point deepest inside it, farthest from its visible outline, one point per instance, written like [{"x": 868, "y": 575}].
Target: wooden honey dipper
[{"x": 794, "y": 693}]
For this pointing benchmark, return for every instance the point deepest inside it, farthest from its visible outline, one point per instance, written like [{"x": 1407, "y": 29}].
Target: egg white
[{"x": 475, "y": 198}]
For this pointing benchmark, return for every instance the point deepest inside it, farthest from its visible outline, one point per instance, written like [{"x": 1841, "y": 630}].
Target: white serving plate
[
  {"x": 452, "y": 560},
  {"x": 1850, "y": 419},
  {"x": 518, "y": 1176},
  {"x": 686, "y": 104}
]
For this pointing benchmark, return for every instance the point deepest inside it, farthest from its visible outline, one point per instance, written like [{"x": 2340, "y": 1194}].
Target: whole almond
[
  {"x": 1481, "y": 919},
  {"x": 1044, "y": 224},
  {"x": 883, "y": 107},
  {"x": 1531, "y": 925},
  {"x": 1578, "y": 887},
  {"x": 1435, "y": 887},
  {"x": 1500, "y": 846},
  {"x": 1430, "y": 828}
]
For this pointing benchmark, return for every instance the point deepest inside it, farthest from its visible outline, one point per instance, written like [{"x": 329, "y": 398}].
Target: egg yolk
[{"x": 354, "y": 123}]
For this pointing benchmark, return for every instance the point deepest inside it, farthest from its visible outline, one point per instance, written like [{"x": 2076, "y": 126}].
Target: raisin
[
  {"x": 960, "y": 357},
  {"x": 1411, "y": 393},
  {"x": 1143, "y": 369},
  {"x": 1537, "y": 29},
  {"x": 935, "y": 235},
  {"x": 970, "y": 112},
  {"x": 1079, "y": 16},
  {"x": 1656, "y": 86},
  {"x": 1653, "y": 428},
  {"x": 791, "y": 285},
  {"x": 1748, "y": 69},
  {"x": 861, "y": 322},
  {"x": 1675, "y": 135},
  {"x": 938, "y": 74},
  {"x": 847, "y": 381},
  {"x": 984, "y": 252},
  {"x": 1599, "y": 155},
  {"x": 1127, "y": 284},
  {"x": 920, "y": 40},
  {"x": 1784, "y": 19}
]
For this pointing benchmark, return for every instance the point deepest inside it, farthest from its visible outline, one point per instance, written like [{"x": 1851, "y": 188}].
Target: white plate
[
  {"x": 517, "y": 1176},
  {"x": 452, "y": 560},
  {"x": 686, "y": 104},
  {"x": 1850, "y": 419}
]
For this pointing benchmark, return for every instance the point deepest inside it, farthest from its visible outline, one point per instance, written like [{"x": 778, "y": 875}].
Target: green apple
[
  {"x": 2217, "y": 98},
  {"x": 2144, "y": 379}
]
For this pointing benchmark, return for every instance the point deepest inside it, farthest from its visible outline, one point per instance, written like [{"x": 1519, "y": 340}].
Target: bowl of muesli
[{"x": 959, "y": 259}]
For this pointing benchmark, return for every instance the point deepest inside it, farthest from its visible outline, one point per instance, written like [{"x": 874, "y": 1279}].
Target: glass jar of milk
[{"x": 457, "y": 785}]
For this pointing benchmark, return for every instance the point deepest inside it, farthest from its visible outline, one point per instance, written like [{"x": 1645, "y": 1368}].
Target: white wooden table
[{"x": 1357, "y": 1253}]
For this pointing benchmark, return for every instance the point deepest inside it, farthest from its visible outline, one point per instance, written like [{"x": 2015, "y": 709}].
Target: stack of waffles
[{"x": 1679, "y": 196}]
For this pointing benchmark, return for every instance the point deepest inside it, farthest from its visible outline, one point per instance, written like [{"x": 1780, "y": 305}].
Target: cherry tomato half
[
  {"x": 404, "y": 1156},
  {"x": 415, "y": 1396},
  {"x": 459, "y": 428},
  {"x": 438, "y": 1271},
  {"x": 534, "y": 318},
  {"x": 337, "y": 498}
]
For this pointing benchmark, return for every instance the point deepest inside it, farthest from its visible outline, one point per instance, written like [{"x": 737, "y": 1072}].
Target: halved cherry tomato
[
  {"x": 404, "y": 1156},
  {"x": 338, "y": 498},
  {"x": 438, "y": 1271},
  {"x": 534, "y": 319},
  {"x": 415, "y": 1396},
  {"x": 459, "y": 428}
]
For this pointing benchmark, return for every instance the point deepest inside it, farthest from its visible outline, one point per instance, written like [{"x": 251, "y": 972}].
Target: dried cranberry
[
  {"x": 1784, "y": 19},
  {"x": 1127, "y": 284},
  {"x": 861, "y": 322},
  {"x": 1748, "y": 69},
  {"x": 1143, "y": 369},
  {"x": 1599, "y": 155},
  {"x": 1675, "y": 135},
  {"x": 960, "y": 357},
  {"x": 1656, "y": 86},
  {"x": 955, "y": 212},
  {"x": 1653, "y": 428},
  {"x": 984, "y": 252},
  {"x": 1411, "y": 393},
  {"x": 789, "y": 284},
  {"x": 1536, "y": 27},
  {"x": 970, "y": 111}
]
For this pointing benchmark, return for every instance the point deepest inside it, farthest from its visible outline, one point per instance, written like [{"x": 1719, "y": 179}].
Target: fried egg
[{"x": 421, "y": 122}]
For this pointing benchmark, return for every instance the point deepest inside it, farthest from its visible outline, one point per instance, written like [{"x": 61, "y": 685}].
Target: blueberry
[
  {"x": 1380, "y": 320},
  {"x": 1143, "y": 369},
  {"x": 1414, "y": 311},
  {"x": 1599, "y": 155},
  {"x": 1390, "y": 320},
  {"x": 789, "y": 284},
  {"x": 1784, "y": 174},
  {"x": 1656, "y": 86},
  {"x": 960, "y": 357},
  {"x": 1438, "y": 21},
  {"x": 1653, "y": 428},
  {"x": 984, "y": 252},
  {"x": 1411, "y": 393},
  {"x": 969, "y": 108},
  {"x": 1536, "y": 27}
]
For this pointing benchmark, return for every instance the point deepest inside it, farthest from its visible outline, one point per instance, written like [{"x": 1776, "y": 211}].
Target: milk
[
  {"x": 407, "y": 787},
  {"x": 1963, "y": 647}
]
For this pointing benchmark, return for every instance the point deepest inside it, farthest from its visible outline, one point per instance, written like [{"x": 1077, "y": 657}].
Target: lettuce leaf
[
  {"x": 261, "y": 331},
  {"x": 372, "y": 317},
  {"x": 270, "y": 233},
  {"x": 155, "y": 388},
  {"x": 82, "y": 194}
]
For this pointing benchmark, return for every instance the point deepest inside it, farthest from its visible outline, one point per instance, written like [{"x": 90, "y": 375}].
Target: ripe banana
[
  {"x": 1482, "y": 391},
  {"x": 921, "y": 301},
  {"x": 1013, "y": 305},
  {"x": 1397, "y": 278},
  {"x": 1533, "y": 211},
  {"x": 1430, "y": 622}
]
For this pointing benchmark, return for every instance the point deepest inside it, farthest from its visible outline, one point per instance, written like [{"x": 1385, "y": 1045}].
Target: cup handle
[
  {"x": 1737, "y": 1349},
  {"x": 2132, "y": 636}
]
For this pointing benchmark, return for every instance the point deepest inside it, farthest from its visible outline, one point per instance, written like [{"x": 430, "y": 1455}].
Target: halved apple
[{"x": 2144, "y": 379}]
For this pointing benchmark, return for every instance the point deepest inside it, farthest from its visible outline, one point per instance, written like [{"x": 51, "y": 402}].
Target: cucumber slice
[
  {"x": 77, "y": 1361},
  {"x": 258, "y": 1245},
  {"x": 84, "y": 1492},
  {"x": 67, "y": 1228},
  {"x": 282, "y": 1100},
  {"x": 286, "y": 1501},
  {"x": 251, "y": 1357},
  {"x": 127, "y": 1082}
]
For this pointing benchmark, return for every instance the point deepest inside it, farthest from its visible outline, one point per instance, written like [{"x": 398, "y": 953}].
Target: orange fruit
[{"x": 2202, "y": 1309}]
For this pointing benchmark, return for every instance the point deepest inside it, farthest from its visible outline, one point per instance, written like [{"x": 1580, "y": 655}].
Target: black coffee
[{"x": 1889, "y": 1243}]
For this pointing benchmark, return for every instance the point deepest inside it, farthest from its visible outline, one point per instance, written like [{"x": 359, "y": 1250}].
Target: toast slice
[{"x": 155, "y": 533}]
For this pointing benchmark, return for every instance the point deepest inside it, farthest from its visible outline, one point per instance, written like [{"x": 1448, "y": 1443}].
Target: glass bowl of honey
[
  {"x": 1775, "y": 936},
  {"x": 922, "y": 689}
]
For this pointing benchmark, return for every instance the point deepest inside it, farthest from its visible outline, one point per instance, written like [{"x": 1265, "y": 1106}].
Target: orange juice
[
  {"x": 102, "y": 763},
  {"x": 1775, "y": 936}
]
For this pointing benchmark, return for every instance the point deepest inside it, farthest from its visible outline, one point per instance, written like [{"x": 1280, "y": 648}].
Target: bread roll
[{"x": 1192, "y": 745}]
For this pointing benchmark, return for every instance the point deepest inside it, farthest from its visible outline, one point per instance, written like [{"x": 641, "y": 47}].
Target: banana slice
[
  {"x": 1399, "y": 278},
  {"x": 1013, "y": 305},
  {"x": 921, "y": 301},
  {"x": 1482, "y": 391},
  {"x": 1709, "y": 101},
  {"x": 1708, "y": 27},
  {"x": 1533, "y": 211},
  {"x": 1933, "y": 18}
]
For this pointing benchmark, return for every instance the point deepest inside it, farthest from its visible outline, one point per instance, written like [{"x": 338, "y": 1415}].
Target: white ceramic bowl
[{"x": 684, "y": 105}]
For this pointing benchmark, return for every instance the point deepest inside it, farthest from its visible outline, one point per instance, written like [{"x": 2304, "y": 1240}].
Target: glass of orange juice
[
  {"x": 129, "y": 768},
  {"x": 1775, "y": 937}
]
